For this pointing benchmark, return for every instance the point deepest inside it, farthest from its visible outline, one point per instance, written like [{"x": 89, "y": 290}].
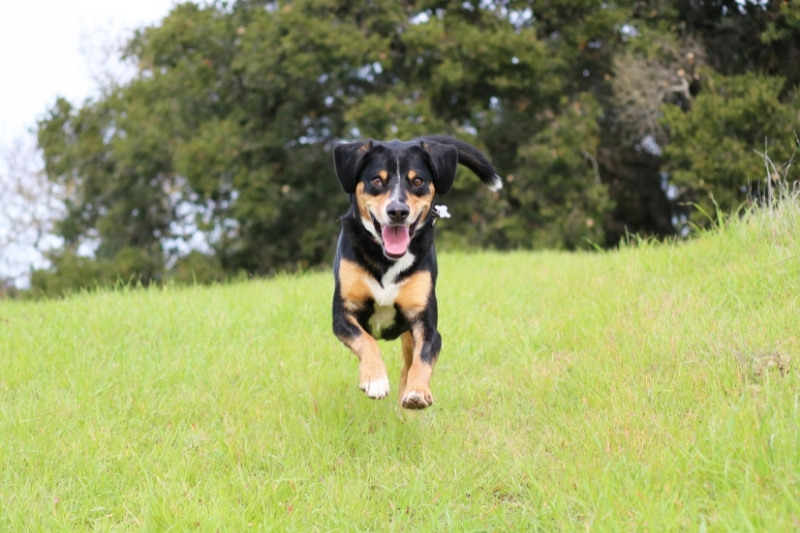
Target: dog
[{"x": 385, "y": 266}]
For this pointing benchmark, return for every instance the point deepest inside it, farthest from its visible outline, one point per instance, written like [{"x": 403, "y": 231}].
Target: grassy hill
[{"x": 653, "y": 388}]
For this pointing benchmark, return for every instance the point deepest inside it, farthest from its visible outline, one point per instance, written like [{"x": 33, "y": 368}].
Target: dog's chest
[
  {"x": 383, "y": 313},
  {"x": 384, "y": 294}
]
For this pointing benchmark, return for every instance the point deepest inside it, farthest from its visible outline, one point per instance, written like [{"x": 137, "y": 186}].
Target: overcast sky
[{"x": 51, "y": 48}]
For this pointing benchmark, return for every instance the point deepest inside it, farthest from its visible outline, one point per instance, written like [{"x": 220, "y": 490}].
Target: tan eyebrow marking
[
  {"x": 383, "y": 175},
  {"x": 412, "y": 174}
]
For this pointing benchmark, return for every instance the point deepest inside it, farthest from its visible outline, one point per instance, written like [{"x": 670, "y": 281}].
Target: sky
[{"x": 51, "y": 49}]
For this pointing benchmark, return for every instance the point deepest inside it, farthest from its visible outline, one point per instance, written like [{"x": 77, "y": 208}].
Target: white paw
[{"x": 376, "y": 389}]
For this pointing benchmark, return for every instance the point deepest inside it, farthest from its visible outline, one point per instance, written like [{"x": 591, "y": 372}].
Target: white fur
[
  {"x": 441, "y": 211},
  {"x": 376, "y": 389},
  {"x": 496, "y": 184},
  {"x": 398, "y": 169},
  {"x": 385, "y": 293},
  {"x": 381, "y": 318}
]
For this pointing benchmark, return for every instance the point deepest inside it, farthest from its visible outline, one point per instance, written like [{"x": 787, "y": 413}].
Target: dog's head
[{"x": 394, "y": 184}]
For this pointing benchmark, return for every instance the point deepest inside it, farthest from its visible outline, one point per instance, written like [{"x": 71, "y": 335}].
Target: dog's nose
[{"x": 397, "y": 211}]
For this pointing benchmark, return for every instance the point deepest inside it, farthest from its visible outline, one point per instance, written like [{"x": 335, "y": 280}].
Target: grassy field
[{"x": 653, "y": 388}]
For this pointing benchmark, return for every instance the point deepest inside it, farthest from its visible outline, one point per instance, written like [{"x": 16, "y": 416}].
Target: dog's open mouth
[{"x": 395, "y": 239}]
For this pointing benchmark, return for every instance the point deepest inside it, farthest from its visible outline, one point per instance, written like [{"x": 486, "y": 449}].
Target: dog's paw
[
  {"x": 376, "y": 388},
  {"x": 417, "y": 399}
]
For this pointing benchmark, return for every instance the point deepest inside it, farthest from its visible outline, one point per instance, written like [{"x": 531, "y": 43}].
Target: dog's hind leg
[{"x": 416, "y": 375}]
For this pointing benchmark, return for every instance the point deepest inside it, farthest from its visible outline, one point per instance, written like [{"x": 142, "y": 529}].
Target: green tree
[
  {"x": 602, "y": 118},
  {"x": 716, "y": 153}
]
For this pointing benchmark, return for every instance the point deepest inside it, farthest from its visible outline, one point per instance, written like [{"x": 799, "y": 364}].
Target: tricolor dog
[{"x": 385, "y": 266}]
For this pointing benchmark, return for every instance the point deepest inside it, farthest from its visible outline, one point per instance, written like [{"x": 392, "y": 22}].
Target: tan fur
[
  {"x": 420, "y": 205},
  {"x": 414, "y": 292},
  {"x": 368, "y": 203},
  {"x": 371, "y": 367},
  {"x": 415, "y": 378},
  {"x": 361, "y": 200},
  {"x": 355, "y": 289}
]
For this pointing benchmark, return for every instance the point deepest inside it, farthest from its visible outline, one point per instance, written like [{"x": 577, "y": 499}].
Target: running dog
[{"x": 385, "y": 266}]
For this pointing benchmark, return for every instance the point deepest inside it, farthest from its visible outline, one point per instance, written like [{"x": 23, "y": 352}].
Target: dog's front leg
[
  {"x": 421, "y": 348},
  {"x": 372, "y": 372}
]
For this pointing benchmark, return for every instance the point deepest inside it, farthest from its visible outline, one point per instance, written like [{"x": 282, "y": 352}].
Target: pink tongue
[{"x": 395, "y": 239}]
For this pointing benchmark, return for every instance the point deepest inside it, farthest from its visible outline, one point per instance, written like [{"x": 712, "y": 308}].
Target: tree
[
  {"x": 716, "y": 156},
  {"x": 747, "y": 110},
  {"x": 600, "y": 116}
]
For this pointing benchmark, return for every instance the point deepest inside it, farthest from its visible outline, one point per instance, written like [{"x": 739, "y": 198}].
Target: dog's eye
[
  {"x": 416, "y": 182},
  {"x": 376, "y": 181}
]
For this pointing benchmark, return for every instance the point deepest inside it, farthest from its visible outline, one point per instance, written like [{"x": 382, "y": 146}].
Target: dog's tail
[{"x": 470, "y": 157}]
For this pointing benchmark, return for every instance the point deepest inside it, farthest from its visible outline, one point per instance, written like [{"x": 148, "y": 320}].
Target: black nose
[{"x": 397, "y": 211}]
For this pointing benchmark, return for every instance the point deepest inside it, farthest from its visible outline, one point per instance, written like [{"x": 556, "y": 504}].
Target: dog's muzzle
[
  {"x": 395, "y": 236},
  {"x": 398, "y": 212}
]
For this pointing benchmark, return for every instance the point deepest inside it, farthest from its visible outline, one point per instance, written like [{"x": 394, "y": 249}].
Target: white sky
[{"x": 52, "y": 48}]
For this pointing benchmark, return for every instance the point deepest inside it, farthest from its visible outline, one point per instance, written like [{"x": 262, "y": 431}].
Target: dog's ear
[
  {"x": 347, "y": 160},
  {"x": 444, "y": 161}
]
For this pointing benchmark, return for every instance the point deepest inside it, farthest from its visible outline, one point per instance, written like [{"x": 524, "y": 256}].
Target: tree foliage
[{"x": 604, "y": 119}]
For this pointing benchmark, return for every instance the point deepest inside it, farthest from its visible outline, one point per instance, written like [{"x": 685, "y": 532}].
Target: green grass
[{"x": 654, "y": 388}]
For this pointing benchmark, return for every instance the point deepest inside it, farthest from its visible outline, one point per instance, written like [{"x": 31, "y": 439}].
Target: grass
[{"x": 654, "y": 388}]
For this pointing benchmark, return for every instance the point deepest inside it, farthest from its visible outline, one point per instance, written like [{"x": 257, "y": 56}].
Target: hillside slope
[{"x": 652, "y": 388}]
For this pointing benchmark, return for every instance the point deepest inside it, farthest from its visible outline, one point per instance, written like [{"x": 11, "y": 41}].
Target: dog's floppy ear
[
  {"x": 444, "y": 160},
  {"x": 347, "y": 159}
]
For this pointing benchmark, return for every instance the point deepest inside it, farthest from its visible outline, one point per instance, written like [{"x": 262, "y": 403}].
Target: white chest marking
[{"x": 385, "y": 294}]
